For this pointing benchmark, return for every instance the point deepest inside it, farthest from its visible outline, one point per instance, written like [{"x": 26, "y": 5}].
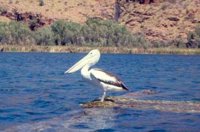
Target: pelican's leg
[{"x": 103, "y": 97}]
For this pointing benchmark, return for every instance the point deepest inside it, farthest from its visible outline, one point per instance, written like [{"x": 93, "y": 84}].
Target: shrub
[
  {"x": 194, "y": 38},
  {"x": 44, "y": 36},
  {"x": 95, "y": 32},
  {"x": 3, "y": 10},
  {"x": 179, "y": 43},
  {"x": 109, "y": 33},
  {"x": 20, "y": 33},
  {"x": 103, "y": 32},
  {"x": 66, "y": 32},
  {"x": 138, "y": 40},
  {"x": 10, "y": 1},
  {"x": 41, "y": 2},
  {"x": 15, "y": 33},
  {"x": 4, "y": 34}
]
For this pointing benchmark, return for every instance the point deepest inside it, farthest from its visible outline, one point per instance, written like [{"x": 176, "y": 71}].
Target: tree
[{"x": 41, "y": 2}]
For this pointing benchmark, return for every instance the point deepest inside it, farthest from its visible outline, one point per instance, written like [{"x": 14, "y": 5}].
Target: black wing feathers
[{"x": 117, "y": 83}]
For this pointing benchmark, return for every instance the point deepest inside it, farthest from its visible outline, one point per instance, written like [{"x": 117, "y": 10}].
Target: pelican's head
[{"x": 90, "y": 59}]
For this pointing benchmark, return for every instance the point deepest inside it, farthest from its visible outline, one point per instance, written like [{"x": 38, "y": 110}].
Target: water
[{"x": 35, "y": 95}]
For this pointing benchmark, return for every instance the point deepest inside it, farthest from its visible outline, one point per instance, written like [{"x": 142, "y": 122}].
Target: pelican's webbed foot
[
  {"x": 108, "y": 99},
  {"x": 105, "y": 99}
]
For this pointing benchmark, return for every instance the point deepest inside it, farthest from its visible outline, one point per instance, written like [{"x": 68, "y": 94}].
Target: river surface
[{"x": 36, "y": 95}]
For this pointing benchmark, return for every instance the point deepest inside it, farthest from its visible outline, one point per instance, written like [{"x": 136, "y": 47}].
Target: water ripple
[{"x": 35, "y": 95}]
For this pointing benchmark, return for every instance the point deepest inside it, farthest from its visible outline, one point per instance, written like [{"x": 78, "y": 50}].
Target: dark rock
[
  {"x": 161, "y": 105},
  {"x": 33, "y": 20},
  {"x": 173, "y": 18},
  {"x": 2, "y": 49},
  {"x": 192, "y": 44}
]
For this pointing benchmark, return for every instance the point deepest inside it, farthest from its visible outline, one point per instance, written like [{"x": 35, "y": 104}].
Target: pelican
[{"x": 96, "y": 76}]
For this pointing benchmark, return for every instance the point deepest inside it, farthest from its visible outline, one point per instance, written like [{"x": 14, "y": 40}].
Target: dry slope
[
  {"x": 165, "y": 21},
  {"x": 162, "y": 21},
  {"x": 73, "y": 10}
]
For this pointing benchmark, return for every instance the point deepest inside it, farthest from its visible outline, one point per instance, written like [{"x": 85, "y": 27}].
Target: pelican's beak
[{"x": 78, "y": 65}]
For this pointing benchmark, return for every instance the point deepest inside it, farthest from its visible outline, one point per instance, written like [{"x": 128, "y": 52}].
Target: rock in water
[{"x": 161, "y": 105}]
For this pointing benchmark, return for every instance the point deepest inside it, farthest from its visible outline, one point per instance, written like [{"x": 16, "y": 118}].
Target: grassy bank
[{"x": 76, "y": 49}]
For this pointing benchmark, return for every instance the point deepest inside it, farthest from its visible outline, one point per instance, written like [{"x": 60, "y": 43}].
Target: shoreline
[{"x": 83, "y": 49}]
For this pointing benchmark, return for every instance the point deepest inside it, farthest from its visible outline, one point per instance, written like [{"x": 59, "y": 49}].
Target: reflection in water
[
  {"x": 99, "y": 118},
  {"x": 88, "y": 120}
]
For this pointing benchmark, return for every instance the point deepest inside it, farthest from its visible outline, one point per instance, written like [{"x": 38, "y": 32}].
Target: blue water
[{"x": 35, "y": 95}]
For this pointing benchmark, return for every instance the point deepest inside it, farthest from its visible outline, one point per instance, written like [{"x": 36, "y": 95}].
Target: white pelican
[{"x": 96, "y": 76}]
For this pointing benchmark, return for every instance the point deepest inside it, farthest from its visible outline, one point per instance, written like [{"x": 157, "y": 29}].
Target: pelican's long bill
[{"x": 77, "y": 66}]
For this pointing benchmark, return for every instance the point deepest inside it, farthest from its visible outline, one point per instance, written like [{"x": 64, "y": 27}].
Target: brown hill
[
  {"x": 73, "y": 10},
  {"x": 168, "y": 20}
]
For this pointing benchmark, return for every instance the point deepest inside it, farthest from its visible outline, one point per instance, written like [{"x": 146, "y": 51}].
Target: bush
[
  {"x": 194, "y": 38},
  {"x": 179, "y": 43},
  {"x": 4, "y": 34},
  {"x": 104, "y": 32},
  {"x": 41, "y": 2},
  {"x": 108, "y": 33},
  {"x": 44, "y": 36},
  {"x": 139, "y": 40},
  {"x": 95, "y": 32},
  {"x": 15, "y": 33},
  {"x": 20, "y": 33},
  {"x": 66, "y": 32},
  {"x": 3, "y": 10}
]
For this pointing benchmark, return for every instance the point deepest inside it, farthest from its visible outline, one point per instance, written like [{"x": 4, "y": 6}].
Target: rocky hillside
[
  {"x": 167, "y": 20},
  {"x": 161, "y": 20},
  {"x": 73, "y": 10}
]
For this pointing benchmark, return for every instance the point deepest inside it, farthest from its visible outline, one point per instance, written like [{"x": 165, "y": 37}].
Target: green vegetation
[
  {"x": 2, "y": 10},
  {"x": 66, "y": 32},
  {"x": 176, "y": 43},
  {"x": 44, "y": 36},
  {"x": 15, "y": 32},
  {"x": 94, "y": 32},
  {"x": 194, "y": 38},
  {"x": 41, "y": 2},
  {"x": 106, "y": 33}
]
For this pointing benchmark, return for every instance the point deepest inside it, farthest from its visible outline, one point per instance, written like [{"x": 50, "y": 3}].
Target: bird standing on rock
[{"x": 96, "y": 76}]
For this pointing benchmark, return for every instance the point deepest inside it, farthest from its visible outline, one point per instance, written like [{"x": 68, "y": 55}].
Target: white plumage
[{"x": 96, "y": 76}]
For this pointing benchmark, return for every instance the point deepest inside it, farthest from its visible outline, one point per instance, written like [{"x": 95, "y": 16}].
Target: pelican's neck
[{"x": 85, "y": 72}]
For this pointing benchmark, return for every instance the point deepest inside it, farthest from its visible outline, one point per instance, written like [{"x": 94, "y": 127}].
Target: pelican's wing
[{"x": 107, "y": 78}]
